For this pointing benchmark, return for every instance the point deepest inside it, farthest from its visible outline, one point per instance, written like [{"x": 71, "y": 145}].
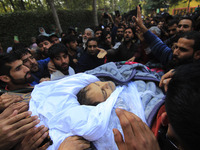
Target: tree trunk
[
  {"x": 55, "y": 15},
  {"x": 95, "y": 12},
  {"x": 13, "y": 6},
  {"x": 22, "y": 5},
  {"x": 4, "y": 7}
]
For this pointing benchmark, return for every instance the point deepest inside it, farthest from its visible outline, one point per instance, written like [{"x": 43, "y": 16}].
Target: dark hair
[
  {"x": 91, "y": 39},
  {"x": 5, "y": 59},
  {"x": 172, "y": 22},
  {"x": 42, "y": 38},
  {"x": 20, "y": 53},
  {"x": 182, "y": 105},
  {"x": 56, "y": 49},
  {"x": 83, "y": 99},
  {"x": 98, "y": 28},
  {"x": 193, "y": 35},
  {"x": 188, "y": 18},
  {"x": 51, "y": 36},
  {"x": 68, "y": 38}
]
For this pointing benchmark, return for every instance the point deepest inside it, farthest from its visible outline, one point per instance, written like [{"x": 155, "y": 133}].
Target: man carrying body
[
  {"x": 60, "y": 58},
  {"x": 39, "y": 69},
  {"x": 14, "y": 73}
]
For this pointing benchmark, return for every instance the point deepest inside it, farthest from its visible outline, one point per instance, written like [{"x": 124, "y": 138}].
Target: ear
[
  {"x": 5, "y": 78},
  {"x": 197, "y": 55},
  {"x": 164, "y": 119}
]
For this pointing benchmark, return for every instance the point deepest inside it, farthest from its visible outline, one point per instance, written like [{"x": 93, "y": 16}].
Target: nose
[
  {"x": 31, "y": 60},
  {"x": 63, "y": 60},
  {"x": 176, "y": 51},
  {"x": 26, "y": 69}
]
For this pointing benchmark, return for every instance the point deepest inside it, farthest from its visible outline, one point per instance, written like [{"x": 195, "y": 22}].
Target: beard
[
  {"x": 178, "y": 62},
  {"x": 22, "y": 81},
  {"x": 119, "y": 37},
  {"x": 34, "y": 67},
  {"x": 63, "y": 68}
]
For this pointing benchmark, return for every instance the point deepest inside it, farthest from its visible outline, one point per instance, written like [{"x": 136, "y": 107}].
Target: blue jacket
[
  {"x": 160, "y": 50},
  {"x": 43, "y": 70}
]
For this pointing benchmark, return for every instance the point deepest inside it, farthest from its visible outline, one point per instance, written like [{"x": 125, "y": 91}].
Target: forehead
[
  {"x": 187, "y": 43},
  {"x": 120, "y": 29},
  {"x": 99, "y": 31},
  {"x": 92, "y": 43},
  {"x": 185, "y": 22},
  {"x": 128, "y": 30},
  {"x": 61, "y": 54},
  {"x": 88, "y": 32},
  {"x": 15, "y": 64},
  {"x": 173, "y": 26},
  {"x": 25, "y": 56},
  {"x": 45, "y": 41}
]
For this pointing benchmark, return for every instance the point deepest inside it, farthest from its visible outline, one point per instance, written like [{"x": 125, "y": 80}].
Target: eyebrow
[{"x": 104, "y": 93}]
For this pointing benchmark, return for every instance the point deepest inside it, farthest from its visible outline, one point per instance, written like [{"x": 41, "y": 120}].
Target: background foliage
[{"x": 26, "y": 24}]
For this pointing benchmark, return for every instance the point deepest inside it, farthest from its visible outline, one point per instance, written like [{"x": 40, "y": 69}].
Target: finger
[
  {"x": 39, "y": 139},
  {"x": 45, "y": 146},
  {"x": 136, "y": 123},
  {"x": 18, "y": 117},
  {"x": 126, "y": 126},
  {"x": 138, "y": 12},
  {"x": 25, "y": 121},
  {"x": 119, "y": 139}
]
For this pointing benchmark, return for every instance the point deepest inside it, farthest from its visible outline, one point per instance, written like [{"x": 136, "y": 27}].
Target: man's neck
[{"x": 12, "y": 87}]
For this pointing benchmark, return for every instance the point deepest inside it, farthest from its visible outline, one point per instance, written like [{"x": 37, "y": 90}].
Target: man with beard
[
  {"x": 60, "y": 58},
  {"x": 127, "y": 51},
  {"x": 119, "y": 37},
  {"x": 89, "y": 59},
  {"x": 70, "y": 42},
  {"x": 175, "y": 29},
  {"x": 39, "y": 69},
  {"x": 14, "y": 73},
  {"x": 186, "y": 50},
  {"x": 43, "y": 43}
]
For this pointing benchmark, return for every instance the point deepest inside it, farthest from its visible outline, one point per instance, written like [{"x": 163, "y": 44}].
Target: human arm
[
  {"x": 158, "y": 48},
  {"x": 7, "y": 99},
  {"x": 164, "y": 81},
  {"x": 137, "y": 135},
  {"x": 34, "y": 139},
  {"x": 14, "y": 126},
  {"x": 74, "y": 143}
]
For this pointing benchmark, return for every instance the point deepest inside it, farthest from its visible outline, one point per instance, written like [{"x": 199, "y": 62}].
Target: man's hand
[
  {"x": 139, "y": 21},
  {"x": 34, "y": 139},
  {"x": 44, "y": 79},
  {"x": 7, "y": 99},
  {"x": 102, "y": 53},
  {"x": 20, "y": 107},
  {"x": 164, "y": 81},
  {"x": 15, "y": 127},
  {"x": 51, "y": 67},
  {"x": 74, "y": 143},
  {"x": 137, "y": 135}
]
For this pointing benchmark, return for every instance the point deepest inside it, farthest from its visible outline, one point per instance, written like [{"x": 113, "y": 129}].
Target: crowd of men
[{"x": 161, "y": 43}]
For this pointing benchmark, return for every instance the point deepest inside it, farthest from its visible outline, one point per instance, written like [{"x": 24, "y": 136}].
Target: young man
[
  {"x": 70, "y": 42},
  {"x": 14, "y": 73},
  {"x": 39, "y": 69},
  {"x": 127, "y": 51},
  {"x": 60, "y": 58},
  {"x": 186, "y": 50},
  {"x": 89, "y": 58},
  {"x": 44, "y": 44}
]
